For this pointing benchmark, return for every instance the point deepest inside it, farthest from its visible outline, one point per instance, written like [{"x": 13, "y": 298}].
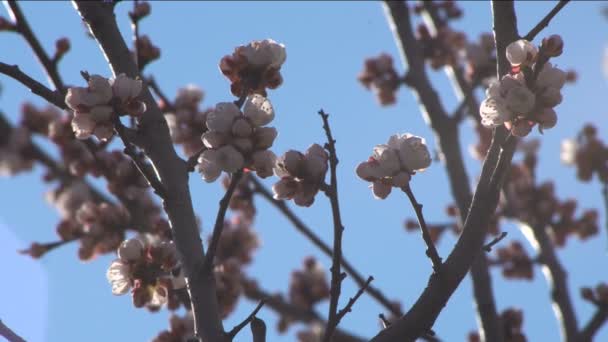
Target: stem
[
  {"x": 594, "y": 324},
  {"x": 34, "y": 86},
  {"x": 219, "y": 220},
  {"x": 546, "y": 20},
  {"x": 431, "y": 251},
  {"x": 336, "y": 274},
  {"x": 247, "y": 320}
]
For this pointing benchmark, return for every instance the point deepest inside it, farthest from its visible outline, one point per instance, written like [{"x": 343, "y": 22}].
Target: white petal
[{"x": 259, "y": 110}]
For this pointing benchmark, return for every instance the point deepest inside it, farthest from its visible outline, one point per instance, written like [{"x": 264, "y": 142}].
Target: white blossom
[
  {"x": 263, "y": 162},
  {"x": 125, "y": 88},
  {"x": 265, "y": 53},
  {"x": 130, "y": 250},
  {"x": 208, "y": 166},
  {"x": 221, "y": 118},
  {"x": 521, "y": 52},
  {"x": 118, "y": 275},
  {"x": 258, "y": 110}
]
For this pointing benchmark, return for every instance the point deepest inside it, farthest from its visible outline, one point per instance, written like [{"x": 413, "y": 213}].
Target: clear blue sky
[{"x": 63, "y": 299}]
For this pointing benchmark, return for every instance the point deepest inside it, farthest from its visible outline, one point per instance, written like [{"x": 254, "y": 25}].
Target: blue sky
[{"x": 63, "y": 299}]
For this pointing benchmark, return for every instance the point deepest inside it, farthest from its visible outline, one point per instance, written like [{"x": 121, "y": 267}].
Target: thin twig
[
  {"x": 219, "y": 221},
  {"x": 168, "y": 105},
  {"x": 431, "y": 250},
  {"x": 260, "y": 189},
  {"x": 349, "y": 306},
  {"x": 595, "y": 323},
  {"x": 605, "y": 196},
  {"x": 385, "y": 322},
  {"x": 52, "y": 96},
  {"x": 193, "y": 159},
  {"x": 488, "y": 247},
  {"x": 26, "y": 32},
  {"x": 146, "y": 171},
  {"x": 8, "y": 334},
  {"x": 332, "y": 193},
  {"x": 232, "y": 333},
  {"x": 546, "y": 20}
]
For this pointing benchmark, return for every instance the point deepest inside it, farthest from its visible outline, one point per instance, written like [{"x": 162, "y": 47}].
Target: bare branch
[
  {"x": 167, "y": 104},
  {"x": 34, "y": 86},
  {"x": 232, "y": 333},
  {"x": 8, "y": 334},
  {"x": 310, "y": 235},
  {"x": 431, "y": 251},
  {"x": 332, "y": 193},
  {"x": 219, "y": 221},
  {"x": 349, "y": 306},
  {"x": 23, "y": 28},
  {"x": 546, "y": 20}
]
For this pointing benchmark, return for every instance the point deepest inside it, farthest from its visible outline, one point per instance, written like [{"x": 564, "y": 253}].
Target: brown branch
[
  {"x": 375, "y": 293},
  {"x": 34, "y": 86},
  {"x": 8, "y": 334},
  {"x": 349, "y": 306},
  {"x": 595, "y": 323},
  {"x": 546, "y": 20},
  {"x": 219, "y": 220},
  {"x": 332, "y": 193},
  {"x": 171, "y": 170},
  {"x": 232, "y": 333},
  {"x": 23, "y": 28},
  {"x": 431, "y": 250},
  {"x": 424, "y": 312},
  {"x": 556, "y": 278}
]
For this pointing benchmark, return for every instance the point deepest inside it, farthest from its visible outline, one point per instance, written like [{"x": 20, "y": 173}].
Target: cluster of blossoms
[
  {"x": 443, "y": 48},
  {"x": 147, "y": 266},
  {"x": 379, "y": 75},
  {"x": 14, "y": 152},
  {"x": 538, "y": 205},
  {"x": 187, "y": 122},
  {"x": 254, "y": 67},
  {"x": 99, "y": 227},
  {"x": 527, "y": 95},
  {"x": 393, "y": 164},
  {"x": 124, "y": 180},
  {"x": 588, "y": 153},
  {"x": 237, "y": 140},
  {"x": 480, "y": 58},
  {"x": 302, "y": 175},
  {"x": 180, "y": 329},
  {"x": 307, "y": 287},
  {"x": 96, "y": 105},
  {"x": 515, "y": 261}
]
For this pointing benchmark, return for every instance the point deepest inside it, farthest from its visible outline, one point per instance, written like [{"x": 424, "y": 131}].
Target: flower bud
[
  {"x": 264, "y": 137},
  {"x": 241, "y": 128},
  {"x": 126, "y": 88},
  {"x": 547, "y": 118},
  {"x": 258, "y": 110},
  {"x": 553, "y": 45},
  {"x": 130, "y": 250},
  {"x": 221, "y": 118},
  {"x": 213, "y": 139},
  {"x": 381, "y": 189}
]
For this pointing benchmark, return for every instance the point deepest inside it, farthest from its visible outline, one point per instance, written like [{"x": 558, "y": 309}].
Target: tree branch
[
  {"x": 171, "y": 170},
  {"x": 594, "y": 324},
  {"x": 34, "y": 86},
  {"x": 332, "y": 193},
  {"x": 8, "y": 334},
  {"x": 431, "y": 251},
  {"x": 24, "y": 29},
  {"x": 349, "y": 306},
  {"x": 556, "y": 277},
  {"x": 423, "y": 314},
  {"x": 308, "y": 233},
  {"x": 219, "y": 221},
  {"x": 546, "y": 20},
  {"x": 488, "y": 246}
]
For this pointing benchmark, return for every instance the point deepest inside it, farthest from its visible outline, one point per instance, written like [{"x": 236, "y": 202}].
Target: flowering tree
[{"x": 147, "y": 218}]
